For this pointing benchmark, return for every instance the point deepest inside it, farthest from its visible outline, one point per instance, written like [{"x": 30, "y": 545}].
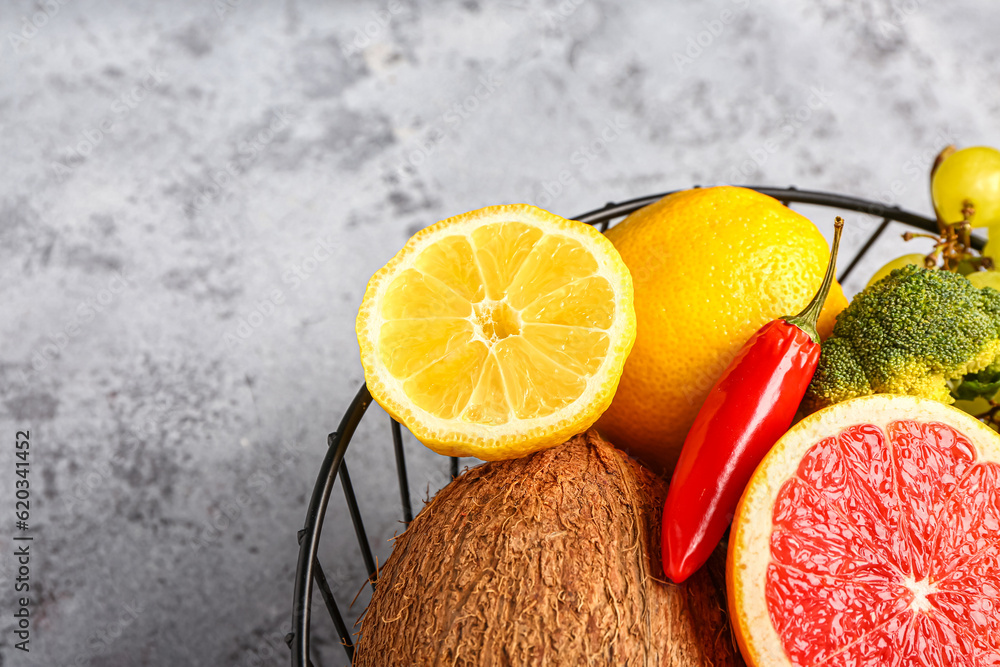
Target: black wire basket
[{"x": 309, "y": 571}]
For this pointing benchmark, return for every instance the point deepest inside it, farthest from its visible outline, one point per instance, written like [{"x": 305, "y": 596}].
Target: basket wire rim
[{"x": 308, "y": 568}]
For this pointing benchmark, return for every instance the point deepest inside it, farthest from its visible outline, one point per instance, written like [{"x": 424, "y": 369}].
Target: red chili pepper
[{"x": 748, "y": 409}]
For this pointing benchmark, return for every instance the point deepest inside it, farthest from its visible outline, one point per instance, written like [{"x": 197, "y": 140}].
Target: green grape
[
  {"x": 992, "y": 248},
  {"x": 898, "y": 263},
  {"x": 965, "y": 267},
  {"x": 976, "y": 406},
  {"x": 985, "y": 279},
  {"x": 971, "y": 174}
]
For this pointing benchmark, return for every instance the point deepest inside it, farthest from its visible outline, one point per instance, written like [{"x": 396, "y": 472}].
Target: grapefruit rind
[
  {"x": 454, "y": 437},
  {"x": 749, "y": 541}
]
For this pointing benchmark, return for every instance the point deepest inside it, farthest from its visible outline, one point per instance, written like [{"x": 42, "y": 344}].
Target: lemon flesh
[{"x": 499, "y": 332}]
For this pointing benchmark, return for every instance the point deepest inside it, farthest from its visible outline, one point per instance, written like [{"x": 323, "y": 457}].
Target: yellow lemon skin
[{"x": 709, "y": 267}]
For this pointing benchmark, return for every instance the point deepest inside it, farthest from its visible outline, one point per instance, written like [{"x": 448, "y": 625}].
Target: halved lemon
[{"x": 498, "y": 332}]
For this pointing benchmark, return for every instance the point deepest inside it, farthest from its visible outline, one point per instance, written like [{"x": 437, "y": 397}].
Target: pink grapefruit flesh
[{"x": 883, "y": 543}]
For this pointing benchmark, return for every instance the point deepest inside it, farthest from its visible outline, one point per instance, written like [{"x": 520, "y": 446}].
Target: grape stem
[
  {"x": 968, "y": 210},
  {"x": 953, "y": 246}
]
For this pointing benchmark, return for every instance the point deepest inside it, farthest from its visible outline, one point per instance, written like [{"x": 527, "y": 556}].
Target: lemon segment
[
  {"x": 501, "y": 250},
  {"x": 445, "y": 387},
  {"x": 578, "y": 349},
  {"x": 414, "y": 295},
  {"x": 585, "y": 303},
  {"x": 409, "y": 346},
  {"x": 453, "y": 262},
  {"x": 554, "y": 263},
  {"x": 536, "y": 386},
  {"x": 489, "y": 405}
]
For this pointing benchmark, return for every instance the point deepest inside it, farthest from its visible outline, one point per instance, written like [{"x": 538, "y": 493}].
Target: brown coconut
[{"x": 552, "y": 559}]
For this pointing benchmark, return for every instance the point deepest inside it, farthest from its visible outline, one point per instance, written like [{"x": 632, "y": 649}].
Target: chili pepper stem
[{"x": 806, "y": 320}]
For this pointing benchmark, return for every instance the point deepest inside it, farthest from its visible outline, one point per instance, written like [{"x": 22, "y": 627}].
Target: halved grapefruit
[{"x": 870, "y": 535}]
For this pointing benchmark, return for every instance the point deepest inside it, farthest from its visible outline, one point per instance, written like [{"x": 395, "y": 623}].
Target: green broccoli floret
[{"x": 913, "y": 332}]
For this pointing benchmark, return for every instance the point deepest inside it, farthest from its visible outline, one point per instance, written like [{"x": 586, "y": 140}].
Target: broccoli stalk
[{"x": 917, "y": 331}]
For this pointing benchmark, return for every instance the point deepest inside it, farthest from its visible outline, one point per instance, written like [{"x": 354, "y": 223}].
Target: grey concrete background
[{"x": 193, "y": 195}]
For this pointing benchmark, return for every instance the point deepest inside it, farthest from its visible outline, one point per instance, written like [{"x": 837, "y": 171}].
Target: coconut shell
[{"x": 551, "y": 559}]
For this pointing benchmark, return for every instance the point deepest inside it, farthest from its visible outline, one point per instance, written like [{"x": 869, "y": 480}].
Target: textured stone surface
[{"x": 178, "y": 288}]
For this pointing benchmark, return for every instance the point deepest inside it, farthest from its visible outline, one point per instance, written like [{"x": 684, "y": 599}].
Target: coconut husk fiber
[{"x": 551, "y": 559}]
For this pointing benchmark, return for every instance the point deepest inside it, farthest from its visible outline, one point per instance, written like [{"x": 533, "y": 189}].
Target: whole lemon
[{"x": 709, "y": 267}]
